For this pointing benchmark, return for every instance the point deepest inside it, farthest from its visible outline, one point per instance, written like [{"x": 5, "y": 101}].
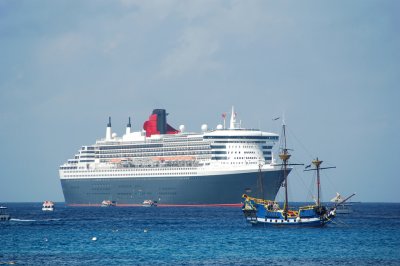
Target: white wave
[
  {"x": 30, "y": 220},
  {"x": 22, "y": 220}
]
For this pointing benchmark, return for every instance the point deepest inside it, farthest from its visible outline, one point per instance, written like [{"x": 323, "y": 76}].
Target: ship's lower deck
[{"x": 209, "y": 190}]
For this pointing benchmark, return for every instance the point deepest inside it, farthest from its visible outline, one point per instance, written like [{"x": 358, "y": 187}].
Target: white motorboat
[
  {"x": 48, "y": 205},
  {"x": 4, "y": 216},
  {"x": 108, "y": 203},
  {"x": 149, "y": 203}
]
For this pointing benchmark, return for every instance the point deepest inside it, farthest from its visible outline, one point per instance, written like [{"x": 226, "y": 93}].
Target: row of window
[
  {"x": 87, "y": 152},
  {"x": 67, "y": 167},
  {"x": 155, "y": 150},
  {"x": 185, "y": 143},
  {"x": 87, "y": 156},
  {"x": 242, "y": 158},
  {"x": 218, "y": 152},
  {"x": 181, "y": 139},
  {"x": 124, "y": 170},
  {"x": 218, "y": 146},
  {"x": 130, "y": 146},
  {"x": 124, "y": 155},
  {"x": 87, "y": 148},
  {"x": 248, "y": 142},
  {"x": 242, "y": 137},
  {"x": 136, "y": 174},
  {"x": 219, "y": 158}
]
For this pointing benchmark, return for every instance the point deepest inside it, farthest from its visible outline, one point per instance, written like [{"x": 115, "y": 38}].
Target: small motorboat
[
  {"x": 108, "y": 203},
  {"x": 149, "y": 203},
  {"x": 48, "y": 206},
  {"x": 4, "y": 216}
]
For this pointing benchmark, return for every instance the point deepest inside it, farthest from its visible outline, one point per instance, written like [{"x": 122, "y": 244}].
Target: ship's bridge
[{"x": 238, "y": 147}]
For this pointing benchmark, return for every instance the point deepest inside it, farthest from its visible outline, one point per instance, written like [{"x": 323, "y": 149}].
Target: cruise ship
[{"x": 173, "y": 167}]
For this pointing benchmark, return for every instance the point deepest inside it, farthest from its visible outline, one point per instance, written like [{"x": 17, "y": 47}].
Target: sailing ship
[
  {"x": 342, "y": 206},
  {"x": 268, "y": 212}
]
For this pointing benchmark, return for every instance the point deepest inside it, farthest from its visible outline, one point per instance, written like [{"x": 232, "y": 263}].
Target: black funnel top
[
  {"x": 109, "y": 121},
  {"x": 161, "y": 120}
]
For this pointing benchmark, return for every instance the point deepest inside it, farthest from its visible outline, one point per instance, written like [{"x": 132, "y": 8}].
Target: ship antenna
[
  {"x": 224, "y": 117},
  {"x": 109, "y": 121},
  {"x": 129, "y": 122}
]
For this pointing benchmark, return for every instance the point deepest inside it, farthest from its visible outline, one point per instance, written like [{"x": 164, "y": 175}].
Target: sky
[{"x": 331, "y": 67}]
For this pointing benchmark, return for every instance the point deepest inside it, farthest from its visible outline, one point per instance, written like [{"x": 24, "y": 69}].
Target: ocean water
[{"x": 193, "y": 236}]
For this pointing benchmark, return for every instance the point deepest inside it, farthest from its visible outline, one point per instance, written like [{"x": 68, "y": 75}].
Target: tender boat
[
  {"x": 108, "y": 203},
  {"x": 267, "y": 212},
  {"x": 4, "y": 216},
  {"x": 149, "y": 203},
  {"x": 48, "y": 205}
]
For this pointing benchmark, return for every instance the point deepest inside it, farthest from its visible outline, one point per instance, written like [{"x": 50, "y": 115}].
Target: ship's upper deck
[{"x": 233, "y": 146}]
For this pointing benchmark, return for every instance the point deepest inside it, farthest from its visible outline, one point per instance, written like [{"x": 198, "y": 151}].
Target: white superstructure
[{"x": 209, "y": 152}]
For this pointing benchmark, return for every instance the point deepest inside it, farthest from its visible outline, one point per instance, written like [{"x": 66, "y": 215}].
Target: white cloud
[
  {"x": 159, "y": 9},
  {"x": 206, "y": 26},
  {"x": 193, "y": 53},
  {"x": 63, "y": 48}
]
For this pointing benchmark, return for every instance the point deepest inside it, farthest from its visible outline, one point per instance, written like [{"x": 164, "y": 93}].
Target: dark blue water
[{"x": 369, "y": 236}]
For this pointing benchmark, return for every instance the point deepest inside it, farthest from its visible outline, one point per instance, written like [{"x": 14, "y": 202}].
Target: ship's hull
[{"x": 207, "y": 190}]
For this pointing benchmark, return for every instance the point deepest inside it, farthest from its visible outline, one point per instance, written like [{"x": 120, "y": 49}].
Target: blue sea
[{"x": 193, "y": 236}]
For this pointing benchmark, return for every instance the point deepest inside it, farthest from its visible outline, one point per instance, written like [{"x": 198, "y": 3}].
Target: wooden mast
[
  {"x": 285, "y": 157},
  {"x": 317, "y": 164},
  {"x": 260, "y": 181}
]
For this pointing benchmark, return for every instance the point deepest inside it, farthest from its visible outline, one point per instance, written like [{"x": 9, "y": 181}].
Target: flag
[{"x": 223, "y": 115}]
